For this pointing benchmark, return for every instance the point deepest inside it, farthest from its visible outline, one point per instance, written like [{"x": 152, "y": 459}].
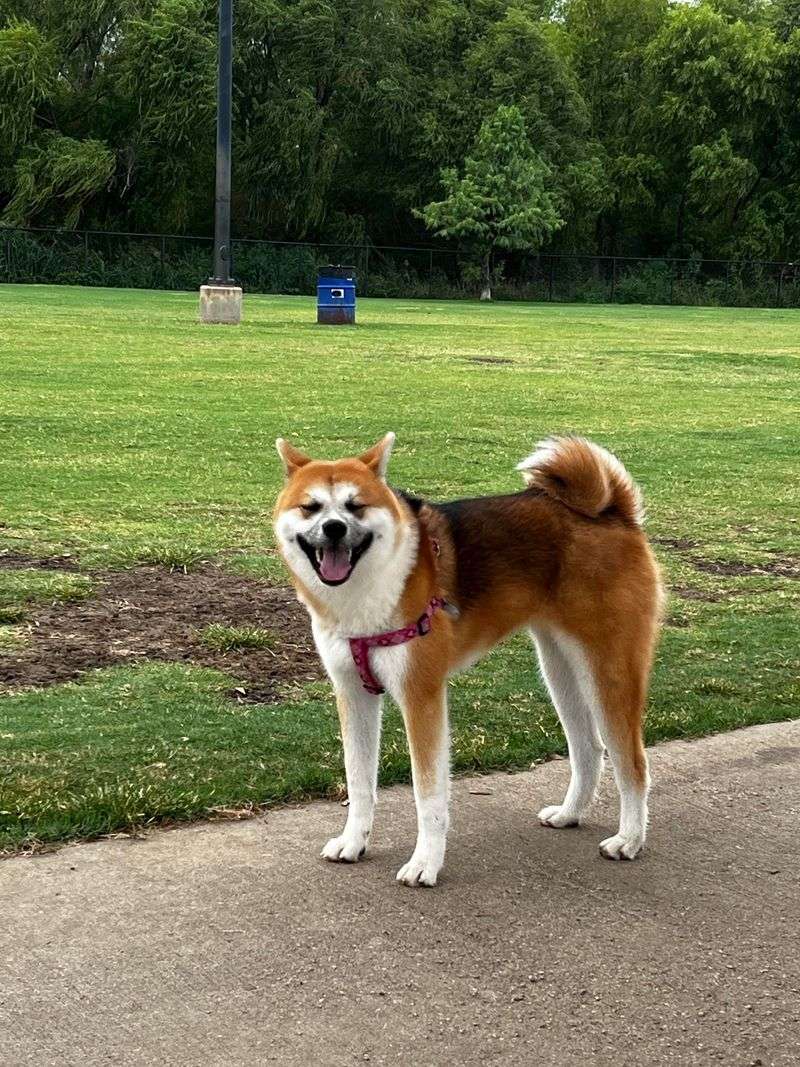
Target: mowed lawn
[{"x": 131, "y": 433}]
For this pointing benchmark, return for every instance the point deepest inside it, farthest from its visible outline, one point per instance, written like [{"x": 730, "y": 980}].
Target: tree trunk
[{"x": 486, "y": 292}]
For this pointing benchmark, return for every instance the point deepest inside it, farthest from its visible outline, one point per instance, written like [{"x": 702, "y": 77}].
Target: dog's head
[{"x": 338, "y": 523}]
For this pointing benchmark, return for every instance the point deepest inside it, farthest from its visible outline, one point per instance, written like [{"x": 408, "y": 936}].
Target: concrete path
[{"x": 232, "y": 944}]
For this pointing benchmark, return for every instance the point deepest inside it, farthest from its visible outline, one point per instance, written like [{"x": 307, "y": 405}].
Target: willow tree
[{"x": 502, "y": 200}]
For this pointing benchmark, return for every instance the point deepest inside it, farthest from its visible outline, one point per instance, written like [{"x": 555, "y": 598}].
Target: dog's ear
[
  {"x": 377, "y": 458},
  {"x": 293, "y": 458}
]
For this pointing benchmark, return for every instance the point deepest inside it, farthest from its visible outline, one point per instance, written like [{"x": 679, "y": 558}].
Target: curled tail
[{"x": 585, "y": 477}]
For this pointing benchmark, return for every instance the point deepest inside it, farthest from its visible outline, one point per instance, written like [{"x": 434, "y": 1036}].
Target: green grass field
[{"x": 131, "y": 433}]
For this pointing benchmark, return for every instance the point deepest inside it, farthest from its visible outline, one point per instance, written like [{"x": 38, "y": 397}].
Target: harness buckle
[{"x": 424, "y": 624}]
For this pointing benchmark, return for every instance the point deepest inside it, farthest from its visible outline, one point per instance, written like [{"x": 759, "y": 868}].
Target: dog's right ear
[{"x": 293, "y": 459}]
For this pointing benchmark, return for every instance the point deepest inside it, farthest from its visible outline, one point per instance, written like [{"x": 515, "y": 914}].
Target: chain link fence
[{"x": 168, "y": 261}]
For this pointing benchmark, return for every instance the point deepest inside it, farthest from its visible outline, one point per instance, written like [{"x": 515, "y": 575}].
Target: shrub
[
  {"x": 68, "y": 258},
  {"x": 644, "y": 283}
]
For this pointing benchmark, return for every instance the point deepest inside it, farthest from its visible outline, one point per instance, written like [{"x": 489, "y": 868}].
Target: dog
[{"x": 403, "y": 592}]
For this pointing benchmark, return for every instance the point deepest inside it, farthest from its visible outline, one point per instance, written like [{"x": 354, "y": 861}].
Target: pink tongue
[{"x": 335, "y": 564}]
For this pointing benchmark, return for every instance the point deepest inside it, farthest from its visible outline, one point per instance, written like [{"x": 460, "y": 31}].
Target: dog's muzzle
[{"x": 332, "y": 559}]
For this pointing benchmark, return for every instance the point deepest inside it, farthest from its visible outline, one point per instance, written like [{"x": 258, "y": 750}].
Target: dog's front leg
[
  {"x": 360, "y": 721},
  {"x": 429, "y": 744}
]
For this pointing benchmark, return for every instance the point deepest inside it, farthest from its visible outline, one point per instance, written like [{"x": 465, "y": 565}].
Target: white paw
[
  {"x": 347, "y": 848},
  {"x": 621, "y": 848},
  {"x": 557, "y": 816},
  {"x": 420, "y": 870}
]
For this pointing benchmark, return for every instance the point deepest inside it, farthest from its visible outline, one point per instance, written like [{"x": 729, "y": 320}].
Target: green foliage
[
  {"x": 71, "y": 259},
  {"x": 166, "y": 72},
  {"x": 321, "y": 105},
  {"x": 668, "y": 128},
  {"x": 79, "y": 259},
  {"x": 718, "y": 175},
  {"x": 644, "y": 284},
  {"x": 785, "y": 17},
  {"x": 58, "y": 172},
  {"x": 500, "y": 66},
  {"x": 174, "y": 555},
  {"x": 11, "y": 637},
  {"x": 715, "y": 83},
  {"x": 27, "y": 79},
  {"x": 502, "y": 200}
]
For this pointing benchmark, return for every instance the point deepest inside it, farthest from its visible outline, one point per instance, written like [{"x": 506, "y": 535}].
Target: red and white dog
[{"x": 403, "y": 592}]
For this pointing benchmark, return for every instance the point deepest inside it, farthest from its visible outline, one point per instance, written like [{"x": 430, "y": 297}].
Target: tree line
[{"x": 644, "y": 127}]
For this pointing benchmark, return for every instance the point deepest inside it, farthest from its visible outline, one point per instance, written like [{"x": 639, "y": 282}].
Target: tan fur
[
  {"x": 574, "y": 471},
  {"x": 372, "y": 491}
]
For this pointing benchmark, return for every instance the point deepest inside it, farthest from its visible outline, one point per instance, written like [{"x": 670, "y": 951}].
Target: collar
[{"x": 360, "y": 646}]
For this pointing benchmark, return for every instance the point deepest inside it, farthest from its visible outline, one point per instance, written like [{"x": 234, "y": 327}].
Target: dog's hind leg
[
  {"x": 565, "y": 673},
  {"x": 621, "y": 679},
  {"x": 360, "y": 721}
]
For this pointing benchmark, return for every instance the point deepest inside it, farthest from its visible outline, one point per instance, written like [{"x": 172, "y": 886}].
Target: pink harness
[{"x": 360, "y": 646}]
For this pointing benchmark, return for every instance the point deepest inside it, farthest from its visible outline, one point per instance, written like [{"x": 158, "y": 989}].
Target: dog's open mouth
[{"x": 334, "y": 563}]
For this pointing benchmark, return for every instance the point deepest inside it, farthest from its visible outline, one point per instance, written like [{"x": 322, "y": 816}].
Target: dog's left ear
[{"x": 377, "y": 458}]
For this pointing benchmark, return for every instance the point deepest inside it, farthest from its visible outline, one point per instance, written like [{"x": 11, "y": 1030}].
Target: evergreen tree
[{"x": 502, "y": 200}]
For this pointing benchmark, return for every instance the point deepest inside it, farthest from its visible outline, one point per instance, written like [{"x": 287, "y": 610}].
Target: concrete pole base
[{"x": 221, "y": 304}]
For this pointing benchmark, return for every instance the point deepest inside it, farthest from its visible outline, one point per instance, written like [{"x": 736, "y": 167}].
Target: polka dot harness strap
[{"x": 360, "y": 646}]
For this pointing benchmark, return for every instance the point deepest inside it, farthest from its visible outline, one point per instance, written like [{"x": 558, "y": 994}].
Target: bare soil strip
[
  {"x": 153, "y": 613},
  {"x": 781, "y": 567}
]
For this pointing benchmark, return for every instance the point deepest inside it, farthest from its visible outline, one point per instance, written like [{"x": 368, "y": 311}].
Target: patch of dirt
[
  {"x": 783, "y": 567},
  {"x": 153, "y": 613},
  {"x": 498, "y": 361},
  {"x": 12, "y": 561},
  {"x": 708, "y": 596},
  {"x": 689, "y": 592},
  {"x": 680, "y": 544}
]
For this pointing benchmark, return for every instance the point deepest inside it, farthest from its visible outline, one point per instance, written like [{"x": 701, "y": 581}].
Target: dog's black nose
[{"x": 334, "y": 530}]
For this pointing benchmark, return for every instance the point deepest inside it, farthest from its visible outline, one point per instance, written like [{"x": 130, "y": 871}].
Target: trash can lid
[{"x": 336, "y": 270}]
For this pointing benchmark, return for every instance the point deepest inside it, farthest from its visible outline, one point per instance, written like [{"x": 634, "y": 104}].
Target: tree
[
  {"x": 58, "y": 172},
  {"x": 502, "y": 200},
  {"x": 28, "y": 77},
  {"x": 607, "y": 39},
  {"x": 164, "y": 76},
  {"x": 785, "y": 16},
  {"x": 669, "y": 128},
  {"x": 712, "y": 116}
]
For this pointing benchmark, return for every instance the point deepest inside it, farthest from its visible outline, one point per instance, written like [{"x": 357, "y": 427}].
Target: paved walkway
[{"x": 231, "y": 944}]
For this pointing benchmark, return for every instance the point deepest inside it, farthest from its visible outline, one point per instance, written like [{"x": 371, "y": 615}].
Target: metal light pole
[
  {"x": 221, "y": 298},
  {"x": 222, "y": 207}
]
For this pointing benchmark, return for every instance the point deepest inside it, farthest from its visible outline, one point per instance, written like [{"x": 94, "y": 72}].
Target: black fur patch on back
[{"x": 496, "y": 540}]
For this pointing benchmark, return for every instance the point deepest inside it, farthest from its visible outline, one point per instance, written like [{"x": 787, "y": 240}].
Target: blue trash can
[{"x": 336, "y": 296}]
